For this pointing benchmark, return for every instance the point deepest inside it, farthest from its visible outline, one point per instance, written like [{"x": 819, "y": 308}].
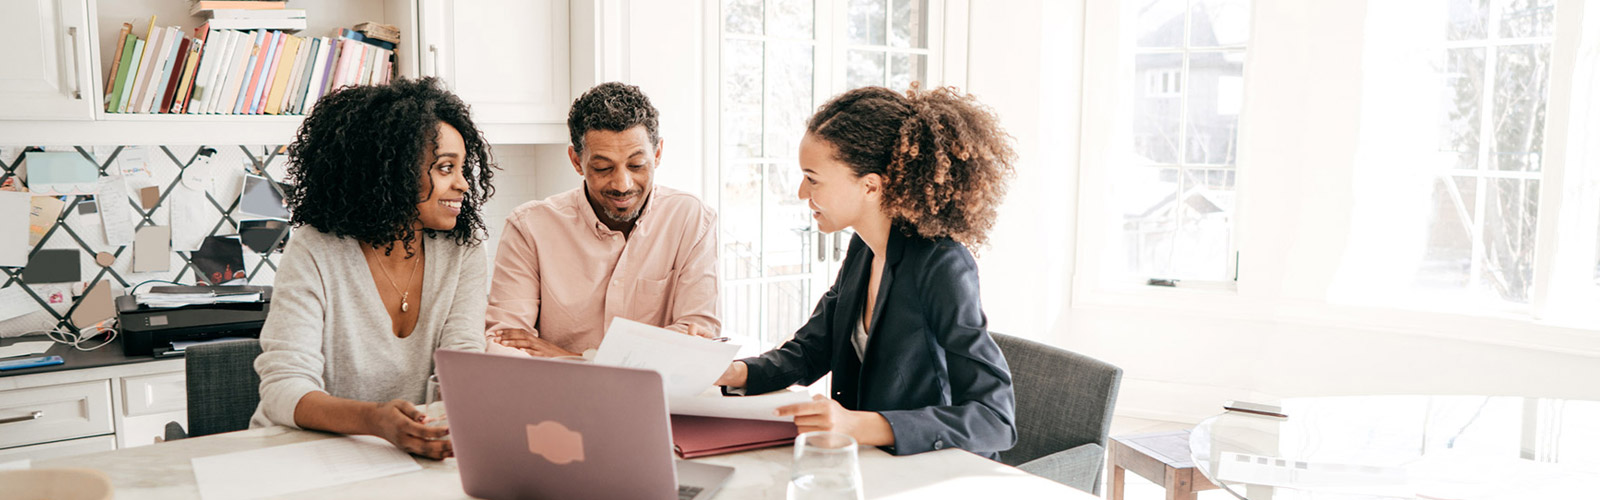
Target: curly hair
[
  {"x": 356, "y": 163},
  {"x": 611, "y": 106},
  {"x": 943, "y": 155}
]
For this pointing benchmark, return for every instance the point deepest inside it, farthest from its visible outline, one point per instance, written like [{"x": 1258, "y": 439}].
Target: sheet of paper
[
  {"x": 56, "y": 265},
  {"x": 24, "y": 464},
  {"x": 187, "y": 206},
  {"x": 42, "y": 213},
  {"x": 14, "y": 302},
  {"x": 152, "y": 249},
  {"x": 95, "y": 306},
  {"x": 688, "y": 364},
  {"x": 25, "y": 348},
  {"x": 14, "y": 228},
  {"x": 281, "y": 470},
  {"x": 713, "y": 404},
  {"x": 115, "y": 212},
  {"x": 61, "y": 173}
]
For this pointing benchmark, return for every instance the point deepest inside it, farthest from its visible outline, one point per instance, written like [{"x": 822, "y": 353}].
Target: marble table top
[{"x": 163, "y": 471}]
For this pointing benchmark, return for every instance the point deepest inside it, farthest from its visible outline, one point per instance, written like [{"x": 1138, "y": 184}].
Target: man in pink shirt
[{"x": 617, "y": 246}]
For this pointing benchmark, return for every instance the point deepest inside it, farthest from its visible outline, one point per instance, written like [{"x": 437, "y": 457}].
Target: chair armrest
[
  {"x": 1076, "y": 467},
  {"x": 174, "y": 432}
]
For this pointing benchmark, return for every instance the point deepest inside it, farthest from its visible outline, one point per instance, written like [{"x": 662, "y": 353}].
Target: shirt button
[{"x": 938, "y": 444}]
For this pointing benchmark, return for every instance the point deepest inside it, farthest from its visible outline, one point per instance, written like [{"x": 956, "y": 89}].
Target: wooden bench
[{"x": 1161, "y": 457}]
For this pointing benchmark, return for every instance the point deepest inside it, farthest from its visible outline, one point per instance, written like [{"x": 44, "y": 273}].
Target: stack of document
[{"x": 164, "y": 300}]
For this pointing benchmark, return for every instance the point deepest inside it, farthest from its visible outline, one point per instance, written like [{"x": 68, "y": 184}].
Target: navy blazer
[{"x": 930, "y": 369}]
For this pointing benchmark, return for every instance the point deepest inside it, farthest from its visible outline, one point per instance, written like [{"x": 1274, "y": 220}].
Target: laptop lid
[{"x": 538, "y": 428}]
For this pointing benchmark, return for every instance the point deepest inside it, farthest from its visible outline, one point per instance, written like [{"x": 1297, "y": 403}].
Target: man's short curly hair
[
  {"x": 614, "y": 107},
  {"x": 356, "y": 163},
  {"x": 943, "y": 155}
]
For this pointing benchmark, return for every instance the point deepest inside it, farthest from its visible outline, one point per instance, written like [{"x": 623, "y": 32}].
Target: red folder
[{"x": 694, "y": 437}]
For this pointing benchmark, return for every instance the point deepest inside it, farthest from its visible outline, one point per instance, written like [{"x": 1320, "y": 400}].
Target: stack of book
[{"x": 227, "y": 71}]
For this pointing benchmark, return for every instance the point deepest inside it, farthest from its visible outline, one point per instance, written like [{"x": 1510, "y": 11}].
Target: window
[
  {"x": 1176, "y": 188},
  {"x": 886, "y": 43}
]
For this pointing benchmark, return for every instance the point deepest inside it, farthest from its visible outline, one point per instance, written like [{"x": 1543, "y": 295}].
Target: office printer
[{"x": 234, "y": 311}]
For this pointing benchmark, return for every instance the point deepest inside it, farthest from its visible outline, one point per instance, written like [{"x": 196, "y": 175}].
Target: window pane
[
  {"x": 1156, "y": 115},
  {"x": 909, "y": 24},
  {"x": 906, "y": 68},
  {"x": 1447, "y": 258},
  {"x": 789, "y": 85},
  {"x": 740, "y": 220},
  {"x": 1525, "y": 18},
  {"x": 741, "y": 98},
  {"x": 1512, "y": 208},
  {"x": 1522, "y": 74},
  {"x": 791, "y": 19},
  {"x": 1205, "y": 238},
  {"x": 1216, "y": 87},
  {"x": 867, "y": 20},
  {"x": 1467, "y": 19},
  {"x": 1463, "y": 96},
  {"x": 1149, "y": 218},
  {"x": 788, "y": 306},
  {"x": 1159, "y": 22},
  {"x": 742, "y": 16},
  {"x": 784, "y": 221},
  {"x": 863, "y": 68},
  {"x": 740, "y": 314},
  {"x": 1219, "y": 22}
]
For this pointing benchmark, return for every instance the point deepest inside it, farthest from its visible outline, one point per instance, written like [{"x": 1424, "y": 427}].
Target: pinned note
[
  {"x": 152, "y": 249},
  {"x": 53, "y": 266},
  {"x": 14, "y": 232},
  {"x": 61, "y": 173},
  {"x": 42, "y": 214},
  {"x": 115, "y": 212}
]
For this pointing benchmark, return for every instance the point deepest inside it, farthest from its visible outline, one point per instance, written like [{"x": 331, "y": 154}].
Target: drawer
[
  {"x": 59, "y": 449},
  {"x": 64, "y": 411},
  {"x": 148, "y": 429},
  {"x": 151, "y": 394}
]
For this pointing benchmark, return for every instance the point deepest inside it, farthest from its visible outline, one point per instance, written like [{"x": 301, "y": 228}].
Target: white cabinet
[
  {"x": 508, "y": 59},
  {"x": 45, "y": 70},
  {"x": 53, "y": 414}
]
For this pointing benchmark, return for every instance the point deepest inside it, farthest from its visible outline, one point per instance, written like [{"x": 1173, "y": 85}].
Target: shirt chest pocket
[{"x": 651, "y": 301}]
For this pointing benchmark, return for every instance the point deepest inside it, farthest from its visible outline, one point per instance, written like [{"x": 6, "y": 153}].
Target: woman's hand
[
  {"x": 528, "y": 343},
  {"x": 735, "y": 376},
  {"x": 823, "y": 414},
  {"x": 399, "y": 422}
]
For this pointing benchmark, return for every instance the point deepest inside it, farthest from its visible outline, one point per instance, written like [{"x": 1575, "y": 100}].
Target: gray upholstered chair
[
  {"x": 1064, "y": 403},
  {"x": 223, "y": 387}
]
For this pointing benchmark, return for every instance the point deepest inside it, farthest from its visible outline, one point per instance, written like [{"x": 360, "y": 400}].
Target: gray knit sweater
[{"x": 328, "y": 330}]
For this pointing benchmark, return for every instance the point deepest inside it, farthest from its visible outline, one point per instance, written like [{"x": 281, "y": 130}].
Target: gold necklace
[{"x": 404, "y": 294}]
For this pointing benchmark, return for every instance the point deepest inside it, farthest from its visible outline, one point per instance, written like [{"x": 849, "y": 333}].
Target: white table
[{"x": 163, "y": 471}]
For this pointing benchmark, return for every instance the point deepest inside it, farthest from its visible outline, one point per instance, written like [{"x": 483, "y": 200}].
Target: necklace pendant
[{"x": 404, "y": 306}]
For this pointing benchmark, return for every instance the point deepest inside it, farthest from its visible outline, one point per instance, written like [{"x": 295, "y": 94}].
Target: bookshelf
[{"x": 514, "y": 109}]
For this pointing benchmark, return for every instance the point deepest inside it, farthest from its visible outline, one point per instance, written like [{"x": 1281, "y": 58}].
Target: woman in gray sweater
[{"x": 385, "y": 267}]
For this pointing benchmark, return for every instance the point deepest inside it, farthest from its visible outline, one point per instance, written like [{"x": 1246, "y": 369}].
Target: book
[
  {"x": 147, "y": 63},
  {"x": 116, "y": 62},
  {"x": 186, "y": 83},
  {"x": 255, "y": 14},
  {"x": 200, "y": 6},
  {"x": 385, "y": 32},
  {"x": 132, "y": 70},
  {"x": 694, "y": 436},
  {"x": 160, "y": 68},
  {"x": 357, "y": 36},
  {"x": 179, "y": 62},
  {"x": 302, "y": 73},
  {"x": 262, "y": 24},
  {"x": 241, "y": 85},
  {"x": 214, "y": 53},
  {"x": 270, "y": 72},
  {"x": 120, "y": 76},
  {"x": 273, "y": 104},
  {"x": 324, "y": 74},
  {"x": 257, "y": 72},
  {"x": 217, "y": 92}
]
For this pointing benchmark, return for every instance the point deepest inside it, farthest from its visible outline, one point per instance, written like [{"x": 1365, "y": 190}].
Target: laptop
[{"x": 540, "y": 428}]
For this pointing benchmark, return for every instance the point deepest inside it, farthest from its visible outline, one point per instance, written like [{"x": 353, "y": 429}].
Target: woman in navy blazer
[{"x": 918, "y": 177}]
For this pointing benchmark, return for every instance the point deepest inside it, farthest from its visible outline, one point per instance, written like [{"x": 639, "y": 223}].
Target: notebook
[{"x": 694, "y": 437}]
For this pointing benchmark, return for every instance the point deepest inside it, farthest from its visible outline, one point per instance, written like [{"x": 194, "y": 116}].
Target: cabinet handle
[
  {"x": 434, "y": 49},
  {"x": 77, "y": 86},
  {"x": 37, "y": 414}
]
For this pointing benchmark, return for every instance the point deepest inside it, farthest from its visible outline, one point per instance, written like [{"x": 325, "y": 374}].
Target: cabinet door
[
  {"x": 507, "y": 58},
  {"x": 44, "y": 66}
]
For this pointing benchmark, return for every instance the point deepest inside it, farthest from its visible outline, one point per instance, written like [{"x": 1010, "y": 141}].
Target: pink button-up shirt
[{"x": 562, "y": 274}]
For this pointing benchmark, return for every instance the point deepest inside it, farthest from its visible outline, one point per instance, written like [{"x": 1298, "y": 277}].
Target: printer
[{"x": 151, "y": 327}]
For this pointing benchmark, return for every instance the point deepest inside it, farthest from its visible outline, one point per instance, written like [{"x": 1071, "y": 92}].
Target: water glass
[
  {"x": 433, "y": 405},
  {"x": 825, "y": 467}
]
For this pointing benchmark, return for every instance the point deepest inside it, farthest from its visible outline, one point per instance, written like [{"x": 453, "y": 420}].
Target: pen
[{"x": 721, "y": 339}]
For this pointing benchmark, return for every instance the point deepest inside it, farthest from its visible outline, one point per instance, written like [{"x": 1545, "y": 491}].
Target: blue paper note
[{"x": 61, "y": 174}]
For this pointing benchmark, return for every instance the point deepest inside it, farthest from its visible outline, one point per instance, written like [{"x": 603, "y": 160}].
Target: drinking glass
[
  {"x": 825, "y": 467},
  {"x": 433, "y": 406}
]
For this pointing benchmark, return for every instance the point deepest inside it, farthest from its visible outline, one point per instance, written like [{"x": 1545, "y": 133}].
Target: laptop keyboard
[{"x": 689, "y": 492}]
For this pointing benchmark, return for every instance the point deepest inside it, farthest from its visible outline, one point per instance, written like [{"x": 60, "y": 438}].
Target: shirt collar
[{"x": 588, "y": 216}]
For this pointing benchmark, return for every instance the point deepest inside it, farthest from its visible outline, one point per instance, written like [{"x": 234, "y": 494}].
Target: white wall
[{"x": 1276, "y": 337}]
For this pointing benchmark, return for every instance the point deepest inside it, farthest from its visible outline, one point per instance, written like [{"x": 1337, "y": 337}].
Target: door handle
[
  {"x": 822, "y": 247},
  {"x": 37, "y": 414},
  {"x": 434, "y": 50},
  {"x": 838, "y": 253},
  {"x": 77, "y": 86}
]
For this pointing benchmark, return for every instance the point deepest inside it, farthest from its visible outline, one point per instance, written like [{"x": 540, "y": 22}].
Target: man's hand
[
  {"x": 691, "y": 329},
  {"x": 534, "y": 346},
  {"x": 735, "y": 376},
  {"x": 823, "y": 414},
  {"x": 399, "y": 422}
]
